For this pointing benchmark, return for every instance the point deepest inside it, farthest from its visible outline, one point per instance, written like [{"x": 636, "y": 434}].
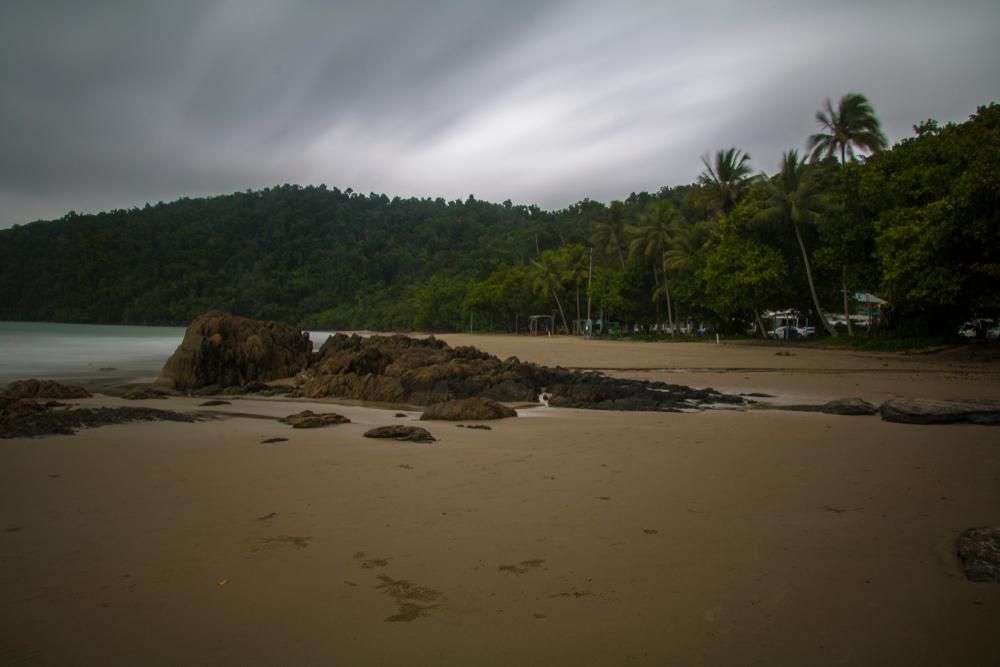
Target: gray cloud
[{"x": 113, "y": 104}]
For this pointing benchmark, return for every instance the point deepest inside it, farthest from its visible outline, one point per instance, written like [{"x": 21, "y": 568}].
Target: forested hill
[
  {"x": 284, "y": 253},
  {"x": 917, "y": 224}
]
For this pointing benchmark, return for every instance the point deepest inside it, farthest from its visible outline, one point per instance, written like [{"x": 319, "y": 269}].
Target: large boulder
[
  {"x": 468, "y": 409},
  {"x": 227, "y": 350},
  {"x": 929, "y": 411}
]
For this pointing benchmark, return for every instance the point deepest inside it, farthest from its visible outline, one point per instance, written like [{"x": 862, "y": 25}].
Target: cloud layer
[{"x": 113, "y": 104}]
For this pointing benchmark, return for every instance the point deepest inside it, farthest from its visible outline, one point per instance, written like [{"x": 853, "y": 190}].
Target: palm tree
[
  {"x": 652, "y": 238},
  {"x": 576, "y": 270},
  {"x": 609, "y": 232},
  {"x": 794, "y": 196},
  {"x": 852, "y": 124},
  {"x": 547, "y": 280},
  {"x": 725, "y": 178}
]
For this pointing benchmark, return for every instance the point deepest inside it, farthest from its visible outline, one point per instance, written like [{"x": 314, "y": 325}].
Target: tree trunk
[
  {"x": 561, "y": 313},
  {"x": 760, "y": 323},
  {"x": 847, "y": 312},
  {"x": 809, "y": 276},
  {"x": 656, "y": 302},
  {"x": 670, "y": 317}
]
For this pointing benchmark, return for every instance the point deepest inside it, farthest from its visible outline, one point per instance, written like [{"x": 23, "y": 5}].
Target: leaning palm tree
[
  {"x": 794, "y": 196},
  {"x": 724, "y": 178},
  {"x": 852, "y": 124},
  {"x": 546, "y": 278},
  {"x": 652, "y": 239}
]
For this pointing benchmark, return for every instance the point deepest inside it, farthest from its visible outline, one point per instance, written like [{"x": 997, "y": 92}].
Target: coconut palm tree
[
  {"x": 794, "y": 196},
  {"x": 652, "y": 239},
  {"x": 852, "y": 124},
  {"x": 724, "y": 178},
  {"x": 609, "y": 232},
  {"x": 576, "y": 270},
  {"x": 546, "y": 279}
]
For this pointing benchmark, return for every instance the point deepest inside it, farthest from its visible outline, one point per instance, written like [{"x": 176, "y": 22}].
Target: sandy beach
[{"x": 559, "y": 537}]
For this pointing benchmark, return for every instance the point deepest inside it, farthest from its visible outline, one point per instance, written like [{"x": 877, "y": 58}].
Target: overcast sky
[{"x": 114, "y": 104}]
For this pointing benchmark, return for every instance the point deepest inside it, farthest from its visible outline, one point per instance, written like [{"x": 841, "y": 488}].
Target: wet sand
[{"x": 559, "y": 537}]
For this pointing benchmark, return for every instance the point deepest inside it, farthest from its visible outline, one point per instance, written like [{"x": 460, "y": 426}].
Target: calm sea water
[
  {"x": 83, "y": 351},
  {"x": 89, "y": 351}
]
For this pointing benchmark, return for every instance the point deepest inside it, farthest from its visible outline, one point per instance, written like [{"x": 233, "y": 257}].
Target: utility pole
[{"x": 590, "y": 275}]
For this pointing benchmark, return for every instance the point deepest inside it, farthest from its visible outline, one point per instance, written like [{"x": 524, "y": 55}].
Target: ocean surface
[{"x": 87, "y": 352}]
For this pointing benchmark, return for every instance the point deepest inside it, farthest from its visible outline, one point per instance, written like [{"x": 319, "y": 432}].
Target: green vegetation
[{"x": 916, "y": 223}]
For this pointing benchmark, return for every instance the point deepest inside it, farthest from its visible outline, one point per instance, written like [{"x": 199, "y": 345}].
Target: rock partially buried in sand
[
  {"x": 849, "y": 406},
  {"x": 309, "y": 419},
  {"x": 21, "y": 420},
  {"x": 468, "y": 409},
  {"x": 928, "y": 411},
  {"x": 226, "y": 350},
  {"x": 398, "y": 432},
  {"x": 979, "y": 550},
  {"x": 43, "y": 389}
]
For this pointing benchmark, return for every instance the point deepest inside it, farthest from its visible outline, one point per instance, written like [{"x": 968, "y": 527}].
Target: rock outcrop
[
  {"x": 468, "y": 409},
  {"x": 398, "y": 369},
  {"x": 25, "y": 418},
  {"x": 227, "y": 350},
  {"x": 42, "y": 389},
  {"x": 928, "y": 411}
]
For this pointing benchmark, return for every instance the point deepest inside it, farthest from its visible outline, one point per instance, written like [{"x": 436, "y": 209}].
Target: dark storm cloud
[{"x": 112, "y": 104}]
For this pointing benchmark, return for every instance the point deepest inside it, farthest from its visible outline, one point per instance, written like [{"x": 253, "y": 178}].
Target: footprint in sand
[
  {"x": 370, "y": 563},
  {"x": 523, "y": 567},
  {"x": 414, "y": 601},
  {"x": 281, "y": 542}
]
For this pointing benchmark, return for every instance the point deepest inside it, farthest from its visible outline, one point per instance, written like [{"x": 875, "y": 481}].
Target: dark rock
[
  {"x": 399, "y": 432},
  {"x": 30, "y": 423},
  {"x": 229, "y": 350},
  {"x": 143, "y": 393},
  {"x": 271, "y": 441},
  {"x": 43, "y": 389},
  {"x": 209, "y": 390},
  {"x": 400, "y": 415},
  {"x": 849, "y": 406},
  {"x": 468, "y": 408},
  {"x": 979, "y": 551},
  {"x": 220, "y": 350},
  {"x": 309, "y": 419},
  {"x": 208, "y": 404},
  {"x": 928, "y": 411}
]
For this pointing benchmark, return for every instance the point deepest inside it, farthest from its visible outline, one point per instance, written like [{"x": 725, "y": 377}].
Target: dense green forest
[{"x": 916, "y": 223}]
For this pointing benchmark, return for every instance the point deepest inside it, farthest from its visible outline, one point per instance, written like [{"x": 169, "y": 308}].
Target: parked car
[{"x": 785, "y": 333}]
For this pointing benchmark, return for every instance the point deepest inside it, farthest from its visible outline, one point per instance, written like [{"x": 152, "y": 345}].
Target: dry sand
[{"x": 560, "y": 537}]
